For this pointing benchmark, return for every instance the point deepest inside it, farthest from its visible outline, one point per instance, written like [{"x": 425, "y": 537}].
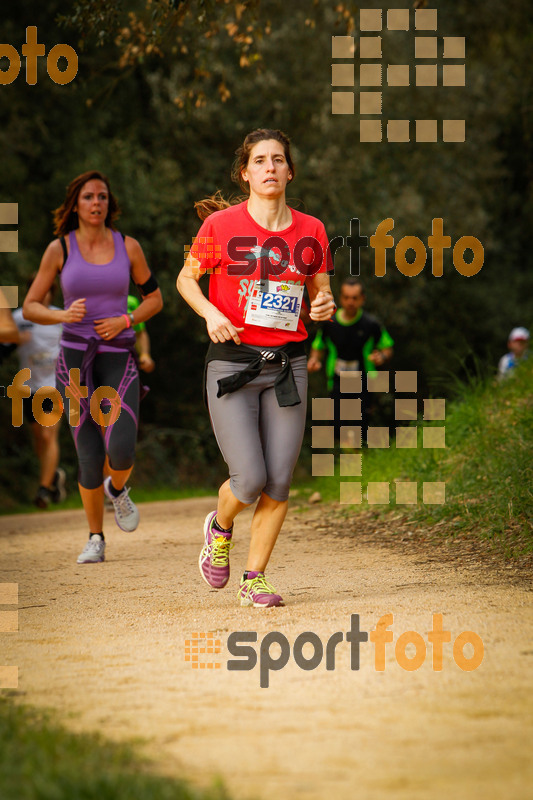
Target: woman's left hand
[
  {"x": 110, "y": 327},
  {"x": 146, "y": 362},
  {"x": 322, "y": 307}
]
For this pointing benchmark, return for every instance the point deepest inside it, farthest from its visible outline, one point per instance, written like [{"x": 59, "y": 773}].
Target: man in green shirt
[{"x": 352, "y": 340}]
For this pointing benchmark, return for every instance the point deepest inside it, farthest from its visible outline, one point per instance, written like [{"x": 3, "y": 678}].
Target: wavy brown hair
[
  {"x": 216, "y": 202},
  {"x": 66, "y": 219}
]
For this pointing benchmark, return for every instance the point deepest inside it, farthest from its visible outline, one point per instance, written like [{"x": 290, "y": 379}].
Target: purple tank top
[{"x": 105, "y": 287}]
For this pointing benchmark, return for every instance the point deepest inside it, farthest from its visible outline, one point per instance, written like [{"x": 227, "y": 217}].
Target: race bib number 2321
[{"x": 275, "y": 304}]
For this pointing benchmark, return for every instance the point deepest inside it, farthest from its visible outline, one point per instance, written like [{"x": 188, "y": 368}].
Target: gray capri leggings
[{"x": 260, "y": 441}]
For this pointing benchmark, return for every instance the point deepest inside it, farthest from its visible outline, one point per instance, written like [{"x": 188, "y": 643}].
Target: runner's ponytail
[{"x": 216, "y": 202}]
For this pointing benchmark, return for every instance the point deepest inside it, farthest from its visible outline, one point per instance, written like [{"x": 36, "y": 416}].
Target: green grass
[
  {"x": 40, "y": 760},
  {"x": 487, "y": 465}
]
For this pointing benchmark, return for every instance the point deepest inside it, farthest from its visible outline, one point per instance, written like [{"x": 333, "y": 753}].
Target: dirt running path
[{"x": 105, "y": 645}]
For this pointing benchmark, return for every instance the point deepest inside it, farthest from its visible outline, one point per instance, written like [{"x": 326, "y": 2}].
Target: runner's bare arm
[
  {"x": 320, "y": 294},
  {"x": 34, "y": 308},
  {"x": 8, "y": 330},
  {"x": 219, "y": 327},
  {"x": 151, "y": 303}
]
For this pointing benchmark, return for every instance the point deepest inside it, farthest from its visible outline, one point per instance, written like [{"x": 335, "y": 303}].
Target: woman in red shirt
[{"x": 259, "y": 254}]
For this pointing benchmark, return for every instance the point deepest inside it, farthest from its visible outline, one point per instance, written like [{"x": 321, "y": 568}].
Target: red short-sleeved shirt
[{"x": 236, "y": 251}]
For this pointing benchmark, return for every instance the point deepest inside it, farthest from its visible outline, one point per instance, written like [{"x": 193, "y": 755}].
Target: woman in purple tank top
[{"x": 95, "y": 264}]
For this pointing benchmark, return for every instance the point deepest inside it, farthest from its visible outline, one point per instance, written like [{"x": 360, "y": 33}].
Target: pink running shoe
[
  {"x": 214, "y": 558},
  {"x": 256, "y": 591}
]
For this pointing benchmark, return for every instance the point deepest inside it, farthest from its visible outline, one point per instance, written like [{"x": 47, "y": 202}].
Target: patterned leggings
[{"x": 117, "y": 441}]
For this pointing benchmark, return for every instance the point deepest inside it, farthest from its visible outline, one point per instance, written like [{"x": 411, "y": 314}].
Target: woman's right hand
[
  {"x": 76, "y": 311},
  {"x": 220, "y": 329}
]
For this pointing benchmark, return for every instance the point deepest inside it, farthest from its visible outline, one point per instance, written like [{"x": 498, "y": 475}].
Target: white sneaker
[
  {"x": 93, "y": 552},
  {"x": 126, "y": 512}
]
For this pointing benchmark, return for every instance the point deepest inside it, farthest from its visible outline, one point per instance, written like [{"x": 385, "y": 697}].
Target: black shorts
[{"x": 48, "y": 405}]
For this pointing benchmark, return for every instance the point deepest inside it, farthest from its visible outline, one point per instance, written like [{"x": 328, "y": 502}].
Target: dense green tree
[{"x": 166, "y": 91}]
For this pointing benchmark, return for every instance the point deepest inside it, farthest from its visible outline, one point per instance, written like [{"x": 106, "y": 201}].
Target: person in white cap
[{"x": 518, "y": 344}]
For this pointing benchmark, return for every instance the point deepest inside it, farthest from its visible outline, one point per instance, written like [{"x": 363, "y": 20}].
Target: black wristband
[{"x": 150, "y": 286}]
